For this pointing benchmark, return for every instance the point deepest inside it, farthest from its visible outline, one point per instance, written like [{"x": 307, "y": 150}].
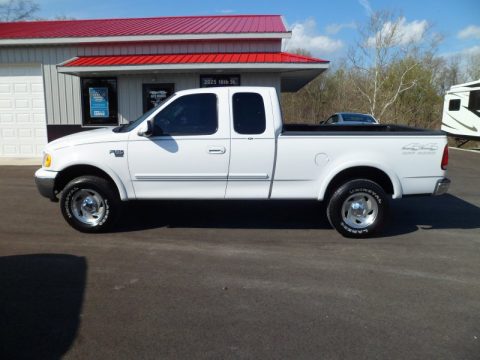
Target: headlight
[{"x": 47, "y": 160}]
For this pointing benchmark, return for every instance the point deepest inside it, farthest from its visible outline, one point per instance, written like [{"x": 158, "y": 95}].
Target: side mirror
[{"x": 146, "y": 129}]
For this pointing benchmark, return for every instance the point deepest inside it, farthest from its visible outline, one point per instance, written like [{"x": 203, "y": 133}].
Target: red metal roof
[
  {"x": 180, "y": 25},
  {"x": 204, "y": 58}
]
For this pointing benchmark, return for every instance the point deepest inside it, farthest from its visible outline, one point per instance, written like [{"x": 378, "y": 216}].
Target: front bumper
[
  {"x": 45, "y": 181},
  {"x": 442, "y": 186}
]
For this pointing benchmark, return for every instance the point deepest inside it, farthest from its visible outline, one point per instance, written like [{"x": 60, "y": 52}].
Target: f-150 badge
[{"x": 117, "y": 153}]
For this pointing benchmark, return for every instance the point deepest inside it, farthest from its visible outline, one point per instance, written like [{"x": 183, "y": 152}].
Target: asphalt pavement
[{"x": 241, "y": 280}]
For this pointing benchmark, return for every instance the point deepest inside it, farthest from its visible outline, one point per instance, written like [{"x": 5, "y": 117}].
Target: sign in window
[
  {"x": 154, "y": 94},
  {"x": 98, "y": 102}
]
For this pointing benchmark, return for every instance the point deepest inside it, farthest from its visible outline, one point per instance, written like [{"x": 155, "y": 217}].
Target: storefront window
[
  {"x": 154, "y": 94},
  {"x": 99, "y": 101}
]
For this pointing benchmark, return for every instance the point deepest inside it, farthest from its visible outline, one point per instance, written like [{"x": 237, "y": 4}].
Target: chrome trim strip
[
  {"x": 200, "y": 177},
  {"x": 180, "y": 177},
  {"x": 248, "y": 177}
]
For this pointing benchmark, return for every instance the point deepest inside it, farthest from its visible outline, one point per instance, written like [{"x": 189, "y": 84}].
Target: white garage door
[{"x": 23, "y": 129}]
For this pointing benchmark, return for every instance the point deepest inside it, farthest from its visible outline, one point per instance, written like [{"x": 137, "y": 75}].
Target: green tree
[{"x": 422, "y": 105}]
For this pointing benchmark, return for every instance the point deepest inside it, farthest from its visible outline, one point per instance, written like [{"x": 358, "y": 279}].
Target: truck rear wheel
[
  {"x": 89, "y": 204},
  {"x": 358, "y": 209}
]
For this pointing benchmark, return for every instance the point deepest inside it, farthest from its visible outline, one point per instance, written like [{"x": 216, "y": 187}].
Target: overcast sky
[{"x": 326, "y": 28}]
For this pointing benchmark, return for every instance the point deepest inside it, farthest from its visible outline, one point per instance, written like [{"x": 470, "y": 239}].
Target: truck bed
[{"x": 373, "y": 129}]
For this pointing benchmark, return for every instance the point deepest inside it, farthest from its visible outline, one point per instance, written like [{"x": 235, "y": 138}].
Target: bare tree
[
  {"x": 17, "y": 10},
  {"x": 386, "y": 40},
  {"x": 473, "y": 67},
  {"x": 449, "y": 73}
]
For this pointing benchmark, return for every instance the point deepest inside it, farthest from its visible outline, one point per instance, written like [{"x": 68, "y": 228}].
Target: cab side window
[
  {"x": 248, "y": 113},
  {"x": 194, "y": 114}
]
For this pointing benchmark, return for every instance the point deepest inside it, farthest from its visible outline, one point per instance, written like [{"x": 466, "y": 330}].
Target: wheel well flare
[
  {"x": 360, "y": 172},
  {"x": 72, "y": 172}
]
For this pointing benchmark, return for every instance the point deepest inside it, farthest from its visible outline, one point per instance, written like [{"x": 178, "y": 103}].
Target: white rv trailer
[{"x": 461, "y": 110}]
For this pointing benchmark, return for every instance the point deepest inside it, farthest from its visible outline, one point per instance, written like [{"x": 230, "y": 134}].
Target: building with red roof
[{"x": 50, "y": 69}]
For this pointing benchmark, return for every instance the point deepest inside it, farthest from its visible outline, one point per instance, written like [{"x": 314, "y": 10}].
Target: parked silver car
[{"x": 346, "y": 118}]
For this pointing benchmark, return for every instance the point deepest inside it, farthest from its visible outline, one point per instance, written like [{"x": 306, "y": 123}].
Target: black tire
[
  {"x": 104, "y": 198},
  {"x": 354, "y": 202}
]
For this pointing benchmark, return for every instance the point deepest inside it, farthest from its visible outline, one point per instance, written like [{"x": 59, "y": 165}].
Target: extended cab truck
[{"x": 229, "y": 143}]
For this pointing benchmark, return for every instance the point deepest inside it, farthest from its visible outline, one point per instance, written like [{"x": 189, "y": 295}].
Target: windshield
[
  {"x": 133, "y": 124},
  {"x": 359, "y": 118}
]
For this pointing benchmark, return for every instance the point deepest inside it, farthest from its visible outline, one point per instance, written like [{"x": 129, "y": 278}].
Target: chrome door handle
[{"x": 216, "y": 150}]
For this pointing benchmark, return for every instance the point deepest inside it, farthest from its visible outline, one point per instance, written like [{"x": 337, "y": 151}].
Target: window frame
[
  {"x": 153, "y": 117},
  {"x": 112, "y": 102},
  {"x": 233, "y": 112}
]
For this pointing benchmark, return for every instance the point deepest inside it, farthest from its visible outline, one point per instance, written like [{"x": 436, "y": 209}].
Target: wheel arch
[
  {"x": 76, "y": 170},
  {"x": 386, "y": 179}
]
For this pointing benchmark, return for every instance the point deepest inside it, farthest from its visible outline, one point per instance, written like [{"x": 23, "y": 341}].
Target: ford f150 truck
[{"x": 230, "y": 143}]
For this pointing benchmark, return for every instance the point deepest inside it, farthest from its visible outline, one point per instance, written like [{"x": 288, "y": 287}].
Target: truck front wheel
[
  {"x": 358, "y": 209},
  {"x": 89, "y": 204}
]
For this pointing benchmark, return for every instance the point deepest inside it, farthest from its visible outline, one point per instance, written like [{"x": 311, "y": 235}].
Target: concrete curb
[{"x": 17, "y": 161}]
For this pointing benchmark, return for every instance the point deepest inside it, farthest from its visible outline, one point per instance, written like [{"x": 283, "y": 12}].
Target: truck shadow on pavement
[
  {"x": 408, "y": 215},
  {"x": 233, "y": 214},
  {"x": 432, "y": 213},
  {"x": 41, "y": 299}
]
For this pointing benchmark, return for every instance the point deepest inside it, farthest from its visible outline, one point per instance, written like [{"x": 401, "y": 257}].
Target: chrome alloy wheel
[
  {"x": 359, "y": 210},
  {"x": 88, "y": 207}
]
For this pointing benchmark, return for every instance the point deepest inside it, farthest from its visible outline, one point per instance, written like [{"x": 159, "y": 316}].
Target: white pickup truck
[{"x": 230, "y": 143}]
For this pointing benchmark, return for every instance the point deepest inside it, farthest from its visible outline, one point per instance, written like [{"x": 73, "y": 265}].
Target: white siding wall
[
  {"x": 130, "y": 102},
  {"x": 62, "y": 92},
  {"x": 262, "y": 79}
]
